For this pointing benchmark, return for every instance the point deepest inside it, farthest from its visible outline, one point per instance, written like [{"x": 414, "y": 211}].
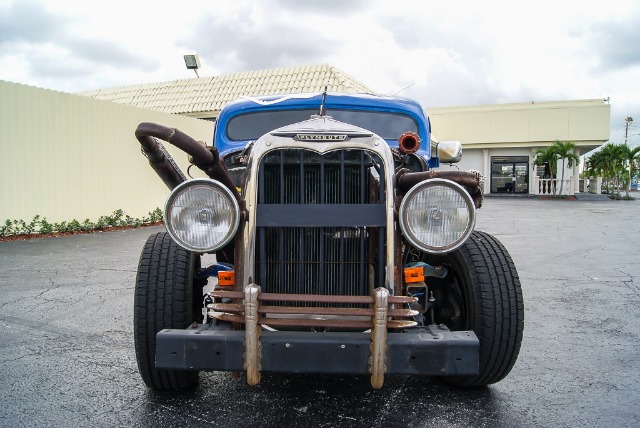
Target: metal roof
[{"x": 205, "y": 96}]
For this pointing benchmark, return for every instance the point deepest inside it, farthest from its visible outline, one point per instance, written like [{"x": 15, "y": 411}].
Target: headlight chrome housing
[
  {"x": 437, "y": 216},
  {"x": 201, "y": 215}
]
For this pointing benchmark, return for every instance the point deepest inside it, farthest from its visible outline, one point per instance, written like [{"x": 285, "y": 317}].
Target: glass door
[
  {"x": 521, "y": 172},
  {"x": 509, "y": 174}
]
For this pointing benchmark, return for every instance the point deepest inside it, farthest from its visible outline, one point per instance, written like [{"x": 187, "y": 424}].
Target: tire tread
[
  {"x": 163, "y": 299},
  {"x": 498, "y": 307}
]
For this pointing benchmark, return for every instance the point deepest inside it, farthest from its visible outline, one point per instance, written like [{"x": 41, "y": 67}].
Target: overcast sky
[{"x": 450, "y": 52}]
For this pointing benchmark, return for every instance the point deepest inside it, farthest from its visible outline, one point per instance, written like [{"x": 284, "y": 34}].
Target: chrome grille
[{"x": 320, "y": 223}]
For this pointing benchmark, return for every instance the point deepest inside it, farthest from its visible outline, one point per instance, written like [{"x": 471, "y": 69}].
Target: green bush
[{"x": 40, "y": 225}]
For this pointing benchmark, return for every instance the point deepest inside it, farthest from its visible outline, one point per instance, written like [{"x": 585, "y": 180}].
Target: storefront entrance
[{"x": 509, "y": 174}]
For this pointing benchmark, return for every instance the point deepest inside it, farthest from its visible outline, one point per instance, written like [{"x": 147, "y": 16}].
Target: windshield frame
[{"x": 363, "y": 118}]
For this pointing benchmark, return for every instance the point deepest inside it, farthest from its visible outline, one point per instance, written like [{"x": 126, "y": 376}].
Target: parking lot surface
[{"x": 67, "y": 357}]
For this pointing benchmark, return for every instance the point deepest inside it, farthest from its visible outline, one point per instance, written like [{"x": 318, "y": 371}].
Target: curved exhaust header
[{"x": 205, "y": 158}]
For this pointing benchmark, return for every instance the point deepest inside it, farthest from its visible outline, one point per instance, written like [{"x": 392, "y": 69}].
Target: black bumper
[{"x": 433, "y": 351}]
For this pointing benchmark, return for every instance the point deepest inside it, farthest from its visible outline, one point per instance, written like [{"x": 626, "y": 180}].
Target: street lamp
[
  {"x": 628, "y": 121},
  {"x": 192, "y": 62}
]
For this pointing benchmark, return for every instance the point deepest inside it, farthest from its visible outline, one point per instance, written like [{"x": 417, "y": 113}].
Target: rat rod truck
[{"x": 339, "y": 248}]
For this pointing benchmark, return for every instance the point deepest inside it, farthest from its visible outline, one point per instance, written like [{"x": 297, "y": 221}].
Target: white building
[{"x": 500, "y": 140}]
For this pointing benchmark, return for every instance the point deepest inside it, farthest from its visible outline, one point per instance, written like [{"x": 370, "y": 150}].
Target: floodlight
[{"x": 192, "y": 62}]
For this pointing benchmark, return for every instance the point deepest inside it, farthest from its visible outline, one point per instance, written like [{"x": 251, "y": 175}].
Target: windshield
[{"x": 251, "y": 126}]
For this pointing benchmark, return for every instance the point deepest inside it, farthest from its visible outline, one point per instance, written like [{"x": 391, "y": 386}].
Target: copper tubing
[
  {"x": 315, "y": 298},
  {"x": 409, "y": 143},
  {"x": 405, "y": 180}
]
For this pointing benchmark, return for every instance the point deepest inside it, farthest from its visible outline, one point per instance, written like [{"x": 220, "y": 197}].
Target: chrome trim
[
  {"x": 252, "y": 334},
  {"x": 449, "y": 151},
  {"x": 379, "y": 337},
  {"x": 270, "y": 142}
]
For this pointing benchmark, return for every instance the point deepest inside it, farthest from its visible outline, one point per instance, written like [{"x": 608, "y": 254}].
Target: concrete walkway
[
  {"x": 591, "y": 197},
  {"x": 588, "y": 197}
]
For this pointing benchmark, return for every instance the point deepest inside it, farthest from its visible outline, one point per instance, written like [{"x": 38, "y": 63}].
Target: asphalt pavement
[{"x": 67, "y": 357}]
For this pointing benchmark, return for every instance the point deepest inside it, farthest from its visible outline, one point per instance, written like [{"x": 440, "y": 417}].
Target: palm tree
[
  {"x": 613, "y": 156},
  {"x": 594, "y": 165},
  {"x": 565, "y": 151},
  {"x": 597, "y": 166},
  {"x": 547, "y": 157},
  {"x": 631, "y": 158}
]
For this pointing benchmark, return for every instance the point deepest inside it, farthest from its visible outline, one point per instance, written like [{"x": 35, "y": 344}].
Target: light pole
[{"x": 628, "y": 121}]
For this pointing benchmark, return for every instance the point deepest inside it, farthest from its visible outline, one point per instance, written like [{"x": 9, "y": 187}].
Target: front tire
[
  {"x": 482, "y": 293},
  {"x": 164, "y": 298}
]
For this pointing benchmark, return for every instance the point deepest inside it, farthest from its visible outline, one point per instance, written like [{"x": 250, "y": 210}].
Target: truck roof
[{"x": 312, "y": 101}]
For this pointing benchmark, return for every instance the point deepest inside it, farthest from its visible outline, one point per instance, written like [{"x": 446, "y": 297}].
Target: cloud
[
  {"x": 257, "y": 38},
  {"x": 43, "y": 45},
  {"x": 615, "y": 44},
  {"x": 325, "y": 7},
  {"x": 103, "y": 52},
  {"x": 26, "y": 22}
]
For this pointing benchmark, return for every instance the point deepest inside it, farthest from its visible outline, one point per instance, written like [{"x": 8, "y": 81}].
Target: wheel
[
  {"x": 482, "y": 292},
  {"x": 166, "y": 296}
]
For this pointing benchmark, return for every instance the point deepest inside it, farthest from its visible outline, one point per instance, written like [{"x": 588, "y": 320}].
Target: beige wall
[
  {"x": 584, "y": 122},
  {"x": 66, "y": 157},
  {"x": 518, "y": 129}
]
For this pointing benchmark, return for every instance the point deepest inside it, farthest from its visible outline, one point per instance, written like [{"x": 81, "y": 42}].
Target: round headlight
[
  {"x": 437, "y": 216},
  {"x": 201, "y": 215}
]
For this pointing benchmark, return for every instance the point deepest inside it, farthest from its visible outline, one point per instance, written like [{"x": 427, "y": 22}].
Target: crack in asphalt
[
  {"x": 630, "y": 282},
  {"x": 3, "y": 361},
  {"x": 66, "y": 300},
  {"x": 52, "y": 287}
]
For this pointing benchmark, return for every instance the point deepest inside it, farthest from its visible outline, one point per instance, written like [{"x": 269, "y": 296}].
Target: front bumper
[{"x": 433, "y": 350}]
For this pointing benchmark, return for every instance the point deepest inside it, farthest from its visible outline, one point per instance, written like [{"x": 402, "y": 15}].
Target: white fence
[{"x": 551, "y": 186}]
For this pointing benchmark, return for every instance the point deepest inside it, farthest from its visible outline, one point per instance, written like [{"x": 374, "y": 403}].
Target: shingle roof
[{"x": 210, "y": 94}]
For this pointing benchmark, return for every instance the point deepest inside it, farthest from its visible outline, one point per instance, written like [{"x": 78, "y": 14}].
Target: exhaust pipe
[
  {"x": 161, "y": 161},
  {"x": 205, "y": 158},
  {"x": 409, "y": 143}
]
